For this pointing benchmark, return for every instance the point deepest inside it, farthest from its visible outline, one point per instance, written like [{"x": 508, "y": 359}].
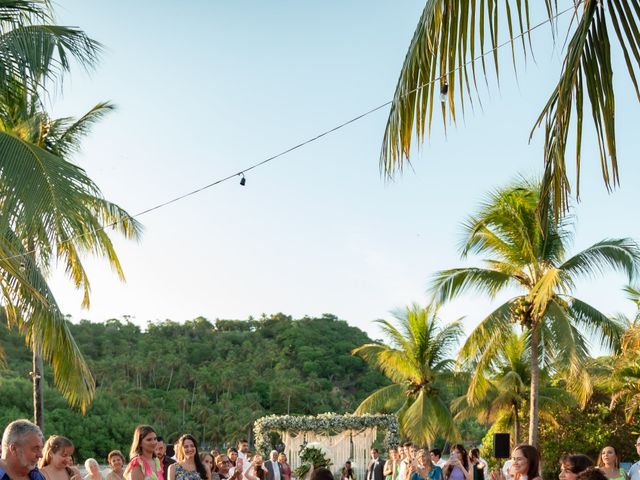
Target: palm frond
[
  {"x": 66, "y": 134},
  {"x": 621, "y": 254},
  {"x": 587, "y": 66},
  {"x": 448, "y": 284},
  {"x": 448, "y": 38},
  {"x": 44, "y": 52},
  {"x": 607, "y": 331},
  {"x": 387, "y": 399}
]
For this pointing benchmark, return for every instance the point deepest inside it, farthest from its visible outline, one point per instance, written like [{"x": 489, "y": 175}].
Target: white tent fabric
[{"x": 347, "y": 445}]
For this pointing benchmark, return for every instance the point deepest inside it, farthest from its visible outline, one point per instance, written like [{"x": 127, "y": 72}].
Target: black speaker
[{"x": 501, "y": 445}]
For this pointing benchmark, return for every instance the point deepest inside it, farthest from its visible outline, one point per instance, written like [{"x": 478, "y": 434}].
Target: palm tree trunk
[
  {"x": 36, "y": 375},
  {"x": 535, "y": 371},
  {"x": 516, "y": 425},
  {"x": 36, "y": 367}
]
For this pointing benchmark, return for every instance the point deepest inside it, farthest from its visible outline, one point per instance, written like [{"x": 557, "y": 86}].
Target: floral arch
[{"x": 342, "y": 437}]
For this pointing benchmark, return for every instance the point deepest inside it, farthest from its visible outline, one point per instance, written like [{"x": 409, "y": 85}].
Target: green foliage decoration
[{"x": 311, "y": 456}]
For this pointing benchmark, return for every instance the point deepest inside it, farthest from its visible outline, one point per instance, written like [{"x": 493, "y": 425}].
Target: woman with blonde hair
[
  {"x": 188, "y": 465},
  {"x": 143, "y": 464},
  {"x": 609, "y": 464},
  {"x": 423, "y": 469},
  {"x": 57, "y": 459},
  {"x": 93, "y": 469}
]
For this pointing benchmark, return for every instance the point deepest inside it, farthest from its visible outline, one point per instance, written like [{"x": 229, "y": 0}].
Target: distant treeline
[{"x": 209, "y": 379}]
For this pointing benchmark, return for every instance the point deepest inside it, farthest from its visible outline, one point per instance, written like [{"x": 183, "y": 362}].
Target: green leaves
[
  {"x": 418, "y": 365},
  {"x": 453, "y": 35}
]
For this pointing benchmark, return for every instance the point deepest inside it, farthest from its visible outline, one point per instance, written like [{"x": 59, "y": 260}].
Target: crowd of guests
[
  {"x": 409, "y": 462},
  {"x": 25, "y": 456}
]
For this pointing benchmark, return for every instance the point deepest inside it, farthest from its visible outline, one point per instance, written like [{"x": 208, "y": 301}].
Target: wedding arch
[{"x": 342, "y": 437}]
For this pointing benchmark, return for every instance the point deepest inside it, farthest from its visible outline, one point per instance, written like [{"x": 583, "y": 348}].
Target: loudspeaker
[{"x": 501, "y": 445}]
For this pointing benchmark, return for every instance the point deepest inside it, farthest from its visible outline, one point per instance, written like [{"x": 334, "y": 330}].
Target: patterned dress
[{"x": 184, "y": 474}]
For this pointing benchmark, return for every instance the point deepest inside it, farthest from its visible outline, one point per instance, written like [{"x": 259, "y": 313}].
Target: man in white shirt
[
  {"x": 634, "y": 471},
  {"x": 506, "y": 470},
  {"x": 274, "y": 469},
  {"x": 436, "y": 457}
]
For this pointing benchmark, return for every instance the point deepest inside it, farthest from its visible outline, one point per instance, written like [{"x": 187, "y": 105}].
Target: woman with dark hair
[
  {"x": 591, "y": 473},
  {"x": 457, "y": 467},
  {"x": 207, "y": 460},
  {"x": 525, "y": 464},
  {"x": 189, "y": 466},
  {"x": 609, "y": 464},
  {"x": 256, "y": 471},
  {"x": 572, "y": 465},
  {"x": 286, "y": 468},
  {"x": 144, "y": 464},
  {"x": 478, "y": 465},
  {"x": 57, "y": 459},
  {"x": 347, "y": 472}
]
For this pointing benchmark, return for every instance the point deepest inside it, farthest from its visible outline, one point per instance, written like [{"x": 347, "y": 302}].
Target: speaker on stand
[{"x": 501, "y": 445}]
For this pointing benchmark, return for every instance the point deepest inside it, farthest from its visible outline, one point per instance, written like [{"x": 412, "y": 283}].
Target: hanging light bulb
[
  {"x": 444, "y": 90},
  {"x": 243, "y": 181},
  {"x": 23, "y": 266}
]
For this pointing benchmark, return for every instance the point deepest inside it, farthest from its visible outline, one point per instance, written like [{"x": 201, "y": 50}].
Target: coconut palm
[
  {"x": 57, "y": 213},
  {"x": 499, "y": 389},
  {"x": 34, "y": 48},
  {"x": 445, "y": 51},
  {"x": 418, "y": 365},
  {"x": 527, "y": 253}
]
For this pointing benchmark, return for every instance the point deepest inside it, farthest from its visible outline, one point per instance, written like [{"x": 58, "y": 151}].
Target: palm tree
[
  {"x": 445, "y": 50},
  {"x": 35, "y": 49},
  {"x": 528, "y": 253},
  {"x": 499, "y": 389},
  {"x": 419, "y": 368},
  {"x": 622, "y": 376},
  {"x": 56, "y": 213}
]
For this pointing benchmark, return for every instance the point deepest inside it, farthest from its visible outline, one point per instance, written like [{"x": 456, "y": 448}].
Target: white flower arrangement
[{"x": 325, "y": 423}]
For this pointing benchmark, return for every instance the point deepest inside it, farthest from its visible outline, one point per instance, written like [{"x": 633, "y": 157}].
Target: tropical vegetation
[
  {"x": 51, "y": 210},
  {"x": 499, "y": 390},
  {"x": 455, "y": 41},
  {"x": 528, "y": 253},
  {"x": 418, "y": 364},
  {"x": 211, "y": 378}
]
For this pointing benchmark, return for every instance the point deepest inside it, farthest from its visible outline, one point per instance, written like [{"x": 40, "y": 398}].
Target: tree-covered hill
[{"x": 209, "y": 379}]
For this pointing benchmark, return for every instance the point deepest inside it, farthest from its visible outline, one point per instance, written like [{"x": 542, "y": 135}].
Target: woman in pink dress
[
  {"x": 286, "y": 469},
  {"x": 144, "y": 464}
]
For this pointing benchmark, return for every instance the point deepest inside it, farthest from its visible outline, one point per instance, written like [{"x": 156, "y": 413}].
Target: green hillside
[{"x": 209, "y": 379}]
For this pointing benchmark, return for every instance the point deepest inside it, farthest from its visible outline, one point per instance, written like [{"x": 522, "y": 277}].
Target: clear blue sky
[{"x": 207, "y": 88}]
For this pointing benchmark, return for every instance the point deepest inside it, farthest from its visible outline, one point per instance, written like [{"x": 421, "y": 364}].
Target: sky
[{"x": 205, "y": 89}]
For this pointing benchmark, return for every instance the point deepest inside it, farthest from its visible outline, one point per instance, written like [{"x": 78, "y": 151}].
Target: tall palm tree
[
  {"x": 35, "y": 49},
  {"x": 528, "y": 253},
  {"x": 451, "y": 35},
  {"x": 418, "y": 365},
  {"x": 57, "y": 213},
  {"x": 499, "y": 388}
]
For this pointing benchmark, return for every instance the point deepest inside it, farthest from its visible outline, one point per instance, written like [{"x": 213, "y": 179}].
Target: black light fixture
[
  {"x": 444, "y": 90},
  {"x": 243, "y": 181}
]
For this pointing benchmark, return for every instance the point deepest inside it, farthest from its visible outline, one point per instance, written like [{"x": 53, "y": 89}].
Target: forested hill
[{"x": 209, "y": 379}]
